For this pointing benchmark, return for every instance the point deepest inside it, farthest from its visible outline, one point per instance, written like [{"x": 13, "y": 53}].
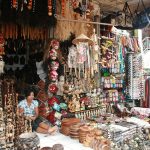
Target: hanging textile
[{"x": 147, "y": 93}]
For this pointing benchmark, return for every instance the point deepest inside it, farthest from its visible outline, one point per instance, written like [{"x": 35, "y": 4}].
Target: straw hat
[{"x": 82, "y": 38}]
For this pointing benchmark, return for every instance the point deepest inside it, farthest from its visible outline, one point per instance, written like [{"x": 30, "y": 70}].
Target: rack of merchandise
[
  {"x": 135, "y": 78},
  {"x": 112, "y": 70}
]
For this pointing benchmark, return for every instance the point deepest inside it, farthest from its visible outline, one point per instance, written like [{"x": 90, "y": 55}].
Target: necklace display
[{"x": 14, "y": 124}]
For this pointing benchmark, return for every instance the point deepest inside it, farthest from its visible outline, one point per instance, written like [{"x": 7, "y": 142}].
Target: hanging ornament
[
  {"x": 53, "y": 88},
  {"x": 51, "y": 117},
  {"x": 50, "y": 7},
  {"x": 55, "y": 44},
  {"x": 53, "y": 54},
  {"x": 63, "y": 2},
  {"x": 54, "y": 6},
  {"x": 2, "y": 45},
  {"x": 30, "y": 5},
  {"x": 2, "y": 63},
  {"x": 56, "y": 107},
  {"x": 14, "y": 3},
  {"x": 53, "y": 100},
  {"x": 53, "y": 75},
  {"x": 33, "y": 6},
  {"x": 54, "y": 65}
]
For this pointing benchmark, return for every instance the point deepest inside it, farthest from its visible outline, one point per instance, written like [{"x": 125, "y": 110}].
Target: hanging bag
[{"x": 141, "y": 19}]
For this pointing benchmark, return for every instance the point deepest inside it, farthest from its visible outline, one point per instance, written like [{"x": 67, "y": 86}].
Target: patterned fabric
[{"x": 28, "y": 110}]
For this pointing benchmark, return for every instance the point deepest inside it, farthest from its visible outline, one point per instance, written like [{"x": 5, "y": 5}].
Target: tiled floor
[{"x": 67, "y": 142}]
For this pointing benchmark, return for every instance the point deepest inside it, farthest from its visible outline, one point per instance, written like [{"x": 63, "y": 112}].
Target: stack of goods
[
  {"x": 111, "y": 82},
  {"x": 74, "y": 131},
  {"x": 93, "y": 138},
  {"x": 132, "y": 127},
  {"x": 83, "y": 131},
  {"x": 120, "y": 131},
  {"x": 66, "y": 124}
]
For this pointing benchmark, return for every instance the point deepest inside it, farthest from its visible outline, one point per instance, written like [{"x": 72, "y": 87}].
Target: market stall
[{"x": 87, "y": 74}]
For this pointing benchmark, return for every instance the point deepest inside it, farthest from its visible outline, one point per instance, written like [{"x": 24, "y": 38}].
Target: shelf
[
  {"x": 112, "y": 88},
  {"x": 87, "y": 109}
]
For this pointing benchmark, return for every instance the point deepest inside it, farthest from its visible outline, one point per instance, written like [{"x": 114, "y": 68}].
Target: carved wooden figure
[{"x": 9, "y": 132}]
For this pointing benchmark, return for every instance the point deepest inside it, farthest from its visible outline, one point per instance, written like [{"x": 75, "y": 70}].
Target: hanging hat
[
  {"x": 54, "y": 65},
  {"x": 54, "y": 44},
  {"x": 82, "y": 38}
]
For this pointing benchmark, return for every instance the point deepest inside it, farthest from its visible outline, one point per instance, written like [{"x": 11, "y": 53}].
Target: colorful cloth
[{"x": 28, "y": 110}]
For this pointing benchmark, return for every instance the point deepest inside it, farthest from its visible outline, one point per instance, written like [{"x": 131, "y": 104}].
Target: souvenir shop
[{"x": 86, "y": 71}]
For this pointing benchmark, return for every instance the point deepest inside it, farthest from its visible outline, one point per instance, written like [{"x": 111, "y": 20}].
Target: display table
[
  {"x": 141, "y": 111},
  {"x": 66, "y": 141}
]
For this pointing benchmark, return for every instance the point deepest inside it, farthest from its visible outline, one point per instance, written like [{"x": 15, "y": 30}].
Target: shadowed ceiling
[{"x": 117, "y": 5}]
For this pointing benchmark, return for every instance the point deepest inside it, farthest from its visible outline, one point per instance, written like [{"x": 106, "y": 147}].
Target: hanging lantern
[
  {"x": 54, "y": 65},
  {"x": 53, "y": 88},
  {"x": 53, "y": 54}
]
